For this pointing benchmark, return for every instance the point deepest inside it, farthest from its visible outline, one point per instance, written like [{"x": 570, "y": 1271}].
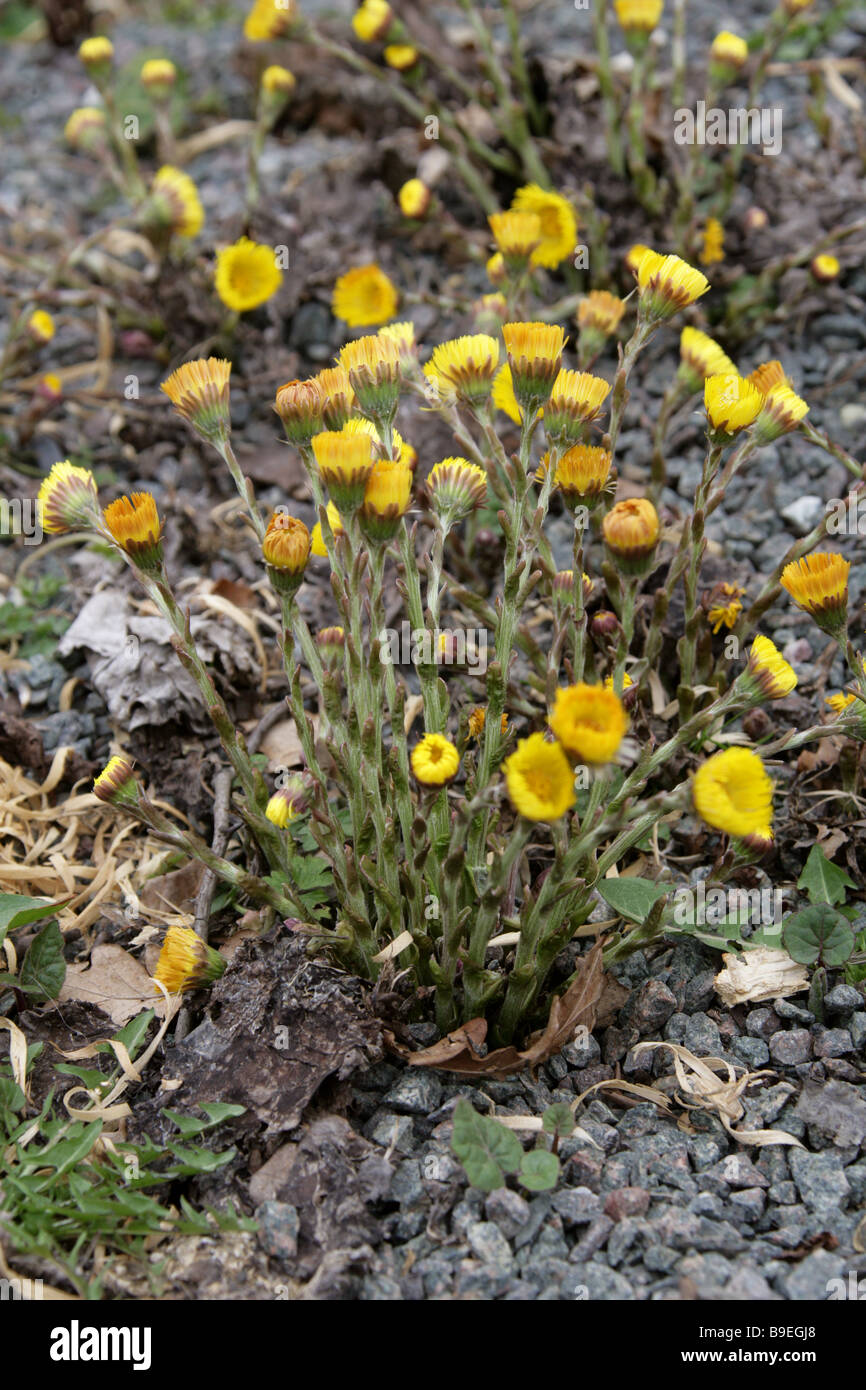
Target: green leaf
[
  {"x": 486, "y": 1148},
  {"x": 16, "y": 910},
  {"x": 633, "y": 898},
  {"x": 133, "y": 1033},
  {"x": 823, "y": 881},
  {"x": 219, "y": 1110},
  {"x": 558, "y": 1119},
  {"x": 44, "y": 968},
  {"x": 187, "y": 1124},
  {"x": 818, "y": 935},
  {"x": 539, "y": 1170}
]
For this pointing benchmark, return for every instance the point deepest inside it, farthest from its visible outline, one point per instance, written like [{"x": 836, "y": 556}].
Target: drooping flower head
[
  {"x": 364, "y": 296},
  {"x": 67, "y": 499},
  {"x": 668, "y": 284},
  {"x": 247, "y": 275},
  {"x": 819, "y": 585},
  {"x": 289, "y": 800},
  {"x": 589, "y": 721},
  {"x": 767, "y": 675},
  {"x": 435, "y": 760},
  {"x": 539, "y": 779},
  {"x": 134, "y": 525},
  {"x": 558, "y": 223},
  {"x": 199, "y": 392},
  {"x": 733, "y": 793},
  {"x": 116, "y": 783},
  {"x": 186, "y": 962}
]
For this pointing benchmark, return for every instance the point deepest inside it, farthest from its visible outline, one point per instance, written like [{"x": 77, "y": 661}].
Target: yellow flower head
[
  {"x": 700, "y": 357},
  {"x": 40, "y": 326},
  {"x": 819, "y": 585},
  {"x": 345, "y": 462},
  {"x": 386, "y": 498},
  {"x": 337, "y": 396},
  {"x": 825, "y": 268},
  {"x": 456, "y": 487},
  {"x": 839, "y": 703},
  {"x": 363, "y": 296},
  {"x": 158, "y": 75},
  {"x": 50, "y": 386},
  {"x": 600, "y": 312},
  {"x": 317, "y": 544},
  {"x": 174, "y": 204},
  {"x": 635, "y": 255},
  {"x": 277, "y": 81},
  {"x": 768, "y": 670},
  {"x": 795, "y": 6},
  {"x": 539, "y": 779},
  {"x": 478, "y": 718},
  {"x": 582, "y": 473},
  {"x": 638, "y": 16},
  {"x": 400, "y": 56},
  {"x": 589, "y": 721},
  {"x": 557, "y": 219},
  {"x": 85, "y": 129},
  {"x": 496, "y": 268},
  {"x": 247, "y": 275},
  {"x": 714, "y": 242},
  {"x": 467, "y": 365},
  {"x": 576, "y": 398},
  {"x": 503, "y": 394},
  {"x": 116, "y": 783},
  {"x": 331, "y": 642},
  {"x": 286, "y": 549},
  {"x": 269, "y": 19},
  {"x": 300, "y": 406},
  {"x": 783, "y": 410},
  {"x": 731, "y": 402},
  {"x": 517, "y": 236},
  {"x": 373, "y": 20},
  {"x": 374, "y": 367},
  {"x": 631, "y": 532},
  {"x": 402, "y": 451},
  {"x": 668, "y": 284},
  {"x": 535, "y": 358},
  {"x": 96, "y": 53},
  {"x": 766, "y": 376},
  {"x": 199, "y": 392},
  {"x": 289, "y": 801},
  {"x": 729, "y": 50},
  {"x": 186, "y": 962},
  {"x": 733, "y": 793},
  {"x": 134, "y": 525},
  {"x": 725, "y": 606},
  {"x": 67, "y": 498},
  {"x": 403, "y": 334},
  {"x": 414, "y": 199},
  {"x": 435, "y": 760}
]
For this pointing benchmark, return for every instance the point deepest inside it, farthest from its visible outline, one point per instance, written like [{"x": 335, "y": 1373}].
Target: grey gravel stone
[
  {"x": 762, "y": 1023},
  {"x": 650, "y": 1007},
  {"x": 577, "y": 1205},
  {"x": 489, "y": 1244},
  {"x": 751, "y": 1201},
  {"x": 702, "y": 1036},
  {"x": 789, "y": 1048},
  {"x": 582, "y": 1052},
  {"x": 508, "y": 1210},
  {"x": 808, "y": 1281},
  {"x": 820, "y": 1181},
  {"x": 278, "y": 1229},
  {"x": 832, "y": 1042},
  {"x": 787, "y": 1008},
  {"x": 857, "y": 1029},
  {"x": 391, "y": 1131},
  {"x": 626, "y": 1201},
  {"x": 842, "y": 1000},
  {"x": 416, "y": 1093},
  {"x": 835, "y": 1110},
  {"x": 753, "y": 1051}
]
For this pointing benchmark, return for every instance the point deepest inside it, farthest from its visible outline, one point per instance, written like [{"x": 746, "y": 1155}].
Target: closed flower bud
[
  {"x": 331, "y": 642},
  {"x": 186, "y": 962},
  {"x": 456, "y": 487},
  {"x": 158, "y": 77},
  {"x": 199, "y": 392},
  {"x": 286, "y": 549},
  {"x": 535, "y": 358},
  {"x": 824, "y": 268},
  {"x": 116, "y": 784},
  {"x": 631, "y": 532},
  {"x": 374, "y": 365},
  {"x": 345, "y": 464},
  {"x": 819, "y": 585},
  {"x": 582, "y": 473},
  {"x": 299, "y": 405},
  {"x": 67, "y": 499},
  {"x": 289, "y": 800},
  {"x": 134, "y": 525},
  {"x": 414, "y": 199},
  {"x": 386, "y": 499}
]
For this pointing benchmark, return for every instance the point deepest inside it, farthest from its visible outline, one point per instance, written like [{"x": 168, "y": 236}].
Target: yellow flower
[
  {"x": 50, "y": 386},
  {"x": 700, "y": 357},
  {"x": 455, "y": 487},
  {"x": 819, "y": 585},
  {"x": 601, "y": 312},
  {"x": 517, "y": 235},
  {"x": 729, "y": 50},
  {"x": 725, "y": 614},
  {"x": 731, "y": 402},
  {"x": 635, "y": 255},
  {"x": 373, "y": 20},
  {"x": 589, "y": 721},
  {"x": 781, "y": 412},
  {"x": 97, "y": 52},
  {"x": 300, "y": 406},
  {"x": 404, "y": 452},
  {"x": 467, "y": 365},
  {"x": 374, "y": 364},
  {"x": 825, "y": 267},
  {"x": 40, "y": 326},
  {"x": 503, "y": 394},
  {"x": 795, "y": 6},
  {"x": 289, "y": 801},
  {"x": 414, "y": 198},
  {"x": 769, "y": 670},
  {"x": 116, "y": 783},
  {"x": 364, "y": 295},
  {"x": 403, "y": 334},
  {"x": 714, "y": 242},
  {"x": 631, "y": 532},
  {"x": 67, "y": 498},
  {"x": 733, "y": 793},
  {"x": 278, "y": 81},
  {"x": 338, "y": 398},
  {"x": 435, "y": 760},
  {"x": 766, "y": 376},
  {"x": 199, "y": 392},
  {"x": 539, "y": 779},
  {"x": 668, "y": 284},
  {"x": 174, "y": 204},
  {"x": 158, "y": 75},
  {"x": 134, "y": 525},
  {"x": 186, "y": 962},
  {"x": 557, "y": 219},
  {"x": 478, "y": 718},
  {"x": 576, "y": 398},
  {"x": 386, "y": 498},
  {"x": 85, "y": 129},
  {"x": 247, "y": 275},
  {"x": 495, "y": 267},
  {"x": 400, "y": 56},
  {"x": 317, "y": 544},
  {"x": 627, "y": 682},
  {"x": 582, "y": 473},
  {"x": 286, "y": 549},
  {"x": 345, "y": 463},
  {"x": 535, "y": 358},
  {"x": 269, "y": 19},
  {"x": 638, "y": 16},
  {"x": 839, "y": 703}
]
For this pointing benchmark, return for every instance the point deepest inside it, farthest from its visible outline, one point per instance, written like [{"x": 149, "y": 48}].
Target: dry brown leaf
[
  {"x": 282, "y": 747},
  {"x": 115, "y": 982}
]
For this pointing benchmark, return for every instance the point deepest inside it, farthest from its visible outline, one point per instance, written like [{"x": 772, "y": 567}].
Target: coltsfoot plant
[{"x": 468, "y": 853}]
